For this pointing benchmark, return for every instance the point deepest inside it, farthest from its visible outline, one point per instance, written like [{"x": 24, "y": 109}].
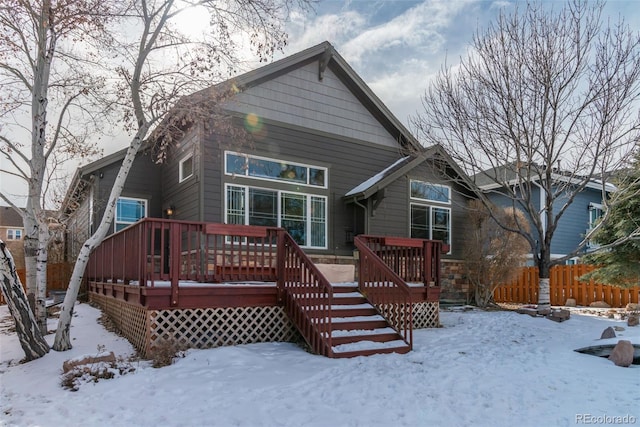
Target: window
[
  {"x": 431, "y": 192},
  {"x": 274, "y": 170},
  {"x": 431, "y": 222},
  {"x": 302, "y": 215},
  {"x": 186, "y": 168},
  {"x": 14, "y": 234},
  {"x": 595, "y": 213},
  {"x": 128, "y": 211}
]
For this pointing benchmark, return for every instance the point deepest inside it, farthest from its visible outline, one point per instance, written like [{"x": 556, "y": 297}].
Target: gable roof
[
  {"x": 507, "y": 175},
  {"x": 401, "y": 167},
  {"x": 9, "y": 217},
  {"x": 326, "y": 56}
]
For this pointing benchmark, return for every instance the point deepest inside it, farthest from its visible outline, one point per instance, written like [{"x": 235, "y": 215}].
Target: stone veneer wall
[{"x": 455, "y": 285}]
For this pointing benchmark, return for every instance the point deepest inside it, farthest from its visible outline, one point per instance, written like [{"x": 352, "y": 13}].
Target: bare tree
[
  {"x": 545, "y": 103},
  {"x": 492, "y": 253},
  {"x": 43, "y": 110},
  {"x": 158, "y": 65}
]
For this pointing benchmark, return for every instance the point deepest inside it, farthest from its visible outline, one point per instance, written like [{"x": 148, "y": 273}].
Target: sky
[
  {"x": 395, "y": 46},
  {"x": 493, "y": 369}
]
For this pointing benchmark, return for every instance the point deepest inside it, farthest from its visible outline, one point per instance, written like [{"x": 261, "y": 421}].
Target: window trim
[
  {"x": 448, "y": 202},
  {"x": 181, "y": 177},
  {"x": 115, "y": 216},
  {"x": 270, "y": 159},
  {"x": 279, "y": 193},
  {"x": 431, "y": 207},
  {"x": 594, "y": 207},
  {"x": 14, "y": 232}
]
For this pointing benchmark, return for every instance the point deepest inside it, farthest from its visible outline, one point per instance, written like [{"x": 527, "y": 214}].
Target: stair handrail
[
  {"x": 373, "y": 272},
  {"x": 306, "y": 293}
]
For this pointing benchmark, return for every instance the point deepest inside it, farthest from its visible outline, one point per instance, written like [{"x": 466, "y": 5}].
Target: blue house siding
[{"x": 574, "y": 223}]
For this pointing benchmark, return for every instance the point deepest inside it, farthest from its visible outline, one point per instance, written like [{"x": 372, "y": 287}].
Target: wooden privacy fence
[
  {"x": 564, "y": 284},
  {"x": 58, "y": 276}
]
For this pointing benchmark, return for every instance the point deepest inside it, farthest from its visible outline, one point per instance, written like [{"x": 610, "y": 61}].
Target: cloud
[{"x": 422, "y": 28}]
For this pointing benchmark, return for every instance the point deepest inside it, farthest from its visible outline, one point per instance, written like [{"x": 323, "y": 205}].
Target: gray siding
[
  {"x": 143, "y": 182},
  {"x": 326, "y": 105},
  {"x": 392, "y": 217},
  {"x": 77, "y": 230},
  {"x": 349, "y": 163},
  {"x": 183, "y": 196}
]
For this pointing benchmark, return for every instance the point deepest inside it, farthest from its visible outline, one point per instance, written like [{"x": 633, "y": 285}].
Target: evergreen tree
[{"x": 620, "y": 262}]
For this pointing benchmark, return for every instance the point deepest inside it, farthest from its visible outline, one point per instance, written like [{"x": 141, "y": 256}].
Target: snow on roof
[{"x": 376, "y": 178}]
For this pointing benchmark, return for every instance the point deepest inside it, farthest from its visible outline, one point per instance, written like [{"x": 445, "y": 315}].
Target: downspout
[{"x": 366, "y": 215}]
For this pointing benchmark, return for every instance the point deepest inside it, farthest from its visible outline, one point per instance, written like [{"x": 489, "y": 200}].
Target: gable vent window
[{"x": 186, "y": 168}]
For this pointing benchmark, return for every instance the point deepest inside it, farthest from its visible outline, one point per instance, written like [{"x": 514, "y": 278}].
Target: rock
[
  {"x": 559, "y": 315},
  {"x": 530, "y": 311},
  {"x": 88, "y": 360},
  {"x": 608, "y": 333},
  {"x": 599, "y": 304},
  {"x": 633, "y": 320},
  {"x": 633, "y": 307},
  {"x": 571, "y": 302},
  {"x": 544, "y": 311},
  {"x": 618, "y": 328},
  {"x": 622, "y": 354}
]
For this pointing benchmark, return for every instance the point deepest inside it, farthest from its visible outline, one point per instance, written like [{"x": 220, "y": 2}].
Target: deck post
[
  {"x": 428, "y": 261},
  {"x": 280, "y": 264},
  {"x": 174, "y": 255}
]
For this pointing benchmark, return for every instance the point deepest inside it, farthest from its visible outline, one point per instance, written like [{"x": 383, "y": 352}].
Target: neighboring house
[
  {"x": 329, "y": 161},
  {"x": 12, "y": 233},
  {"x": 579, "y": 218}
]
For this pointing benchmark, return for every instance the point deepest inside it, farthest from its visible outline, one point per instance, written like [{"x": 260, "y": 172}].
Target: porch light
[{"x": 169, "y": 211}]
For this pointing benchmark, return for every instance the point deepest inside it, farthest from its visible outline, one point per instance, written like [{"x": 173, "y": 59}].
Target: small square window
[
  {"x": 186, "y": 167},
  {"x": 14, "y": 234}
]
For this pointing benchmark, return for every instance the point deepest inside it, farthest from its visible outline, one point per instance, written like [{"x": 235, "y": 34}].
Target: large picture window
[
  {"x": 128, "y": 211},
  {"x": 431, "y": 192},
  {"x": 431, "y": 222},
  {"x": 274, "y": 170},
  {"x": 302, "y": 215}
]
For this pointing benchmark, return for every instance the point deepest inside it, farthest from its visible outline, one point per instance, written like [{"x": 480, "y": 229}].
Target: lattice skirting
[
  {"x": 215, "y": 327},
  {"x": 196, "y": 328},
  {"x": 425, "y": 314},
  {"x": 132, "y": 320}
]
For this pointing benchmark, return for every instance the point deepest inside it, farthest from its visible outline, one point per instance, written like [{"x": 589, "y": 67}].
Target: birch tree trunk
[
  {"x": 31, "y": 340},
  {"x": 62, "y": 340}
]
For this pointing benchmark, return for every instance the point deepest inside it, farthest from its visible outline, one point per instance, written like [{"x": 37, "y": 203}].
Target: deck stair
[{"x": 357, "y": 329}]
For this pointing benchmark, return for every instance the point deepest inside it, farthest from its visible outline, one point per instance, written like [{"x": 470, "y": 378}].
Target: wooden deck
[{"x": 158, "y": 269}]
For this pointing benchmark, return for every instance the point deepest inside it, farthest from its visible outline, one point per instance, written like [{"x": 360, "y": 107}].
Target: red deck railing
[
  {"x": 386, "y": 265},
  {"x": 159, "y": 250},
  {"x": 307, "y": 297}
]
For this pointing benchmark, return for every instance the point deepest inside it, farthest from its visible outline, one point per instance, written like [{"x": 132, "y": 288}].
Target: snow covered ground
[{"x": 480, "y": 369}]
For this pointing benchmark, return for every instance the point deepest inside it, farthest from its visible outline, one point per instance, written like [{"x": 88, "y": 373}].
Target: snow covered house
[{"x": 331, "y": 181}]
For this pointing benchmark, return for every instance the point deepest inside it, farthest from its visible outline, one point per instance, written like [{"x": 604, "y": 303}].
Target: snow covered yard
[{"x": 481, "y": 369}]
